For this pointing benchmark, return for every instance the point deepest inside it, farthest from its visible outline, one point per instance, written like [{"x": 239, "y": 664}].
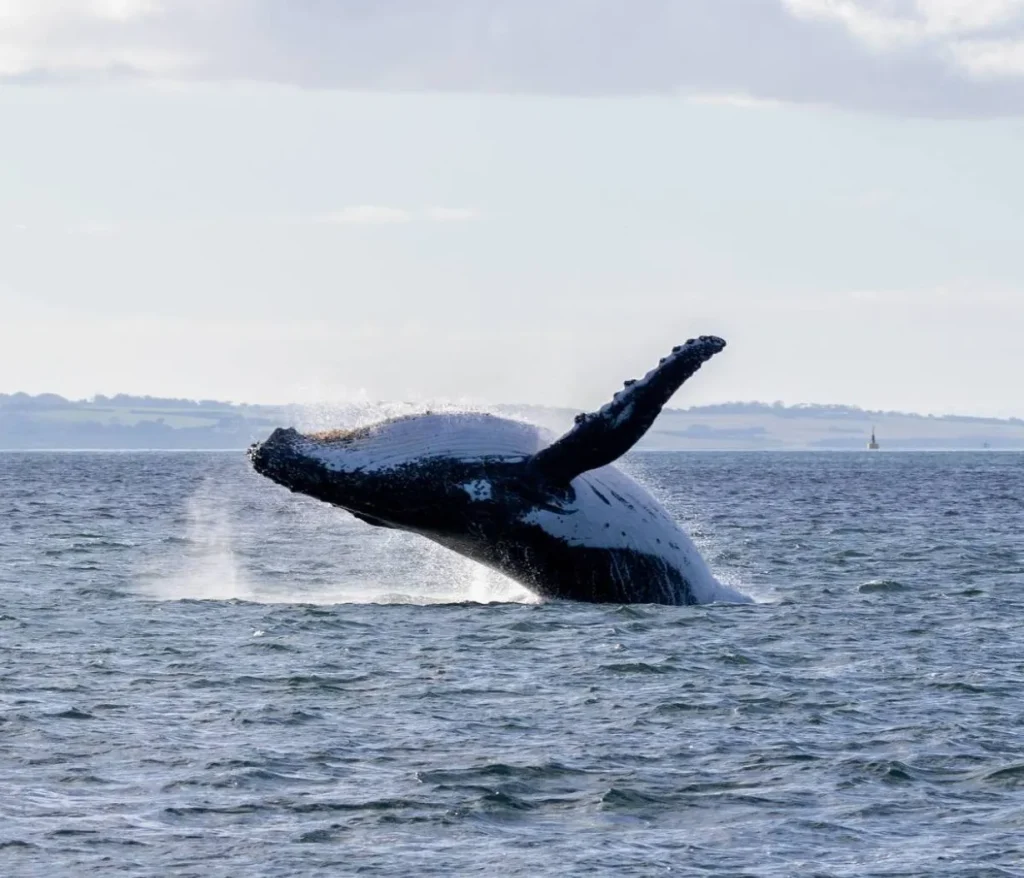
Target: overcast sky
[{"x": 514, "y": 200}]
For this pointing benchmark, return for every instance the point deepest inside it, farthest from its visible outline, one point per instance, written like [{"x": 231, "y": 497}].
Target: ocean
[{"x": 204, "y": 675}]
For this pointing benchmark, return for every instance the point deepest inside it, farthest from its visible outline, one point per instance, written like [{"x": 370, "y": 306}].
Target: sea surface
[{"x": 204, "y": 675}]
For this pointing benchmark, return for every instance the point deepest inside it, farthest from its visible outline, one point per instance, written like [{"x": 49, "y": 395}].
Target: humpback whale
[{"x": 557, "y": 517}]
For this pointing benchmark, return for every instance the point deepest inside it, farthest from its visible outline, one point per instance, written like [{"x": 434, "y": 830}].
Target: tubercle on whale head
[{"x": 280, "y": 459}]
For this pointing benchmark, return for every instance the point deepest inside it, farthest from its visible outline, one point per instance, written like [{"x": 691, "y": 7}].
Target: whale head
[{"x": 422, "y": 473}]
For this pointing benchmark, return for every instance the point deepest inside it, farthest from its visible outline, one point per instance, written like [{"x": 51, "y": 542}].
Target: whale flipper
[{"x": 604, "y": 436}]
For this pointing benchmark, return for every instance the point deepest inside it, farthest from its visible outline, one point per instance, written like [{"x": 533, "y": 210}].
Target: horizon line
[{"x": 479, "y": 404}]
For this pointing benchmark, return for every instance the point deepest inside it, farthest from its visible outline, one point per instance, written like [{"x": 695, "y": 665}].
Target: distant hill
[
  {"x": 126, "y": 422},
  {"x": 48, "y": 421}
]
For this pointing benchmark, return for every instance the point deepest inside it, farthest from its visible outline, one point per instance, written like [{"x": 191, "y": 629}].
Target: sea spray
[{"x": 203, "y": 563}]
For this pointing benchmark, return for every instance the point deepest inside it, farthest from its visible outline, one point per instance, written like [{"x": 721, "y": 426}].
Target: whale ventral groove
[{"x": 558, "y": 517}]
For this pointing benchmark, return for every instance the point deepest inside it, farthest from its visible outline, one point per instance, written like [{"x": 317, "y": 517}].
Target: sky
[{"x": 523, "y": 201}]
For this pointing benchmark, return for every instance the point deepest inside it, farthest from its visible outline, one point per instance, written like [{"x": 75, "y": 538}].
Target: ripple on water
[{"x": 882, "y": 586}]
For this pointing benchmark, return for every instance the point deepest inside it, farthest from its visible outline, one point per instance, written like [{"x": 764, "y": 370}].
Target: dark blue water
[{"x": 201, "y": 674}]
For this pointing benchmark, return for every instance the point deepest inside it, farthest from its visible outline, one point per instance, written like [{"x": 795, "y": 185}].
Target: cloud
[
  {"x": 991, "y": 58},
  {"x": 894, "y": 22},
  {"x": 367, "y": 215},
  {"x": 726, "y": 99},
  {"x": 983, "y": 39},
  {"x": 378, "y": 215},
  {"x": 76, "y": 39},
  {"x": 917, "y": 57}
]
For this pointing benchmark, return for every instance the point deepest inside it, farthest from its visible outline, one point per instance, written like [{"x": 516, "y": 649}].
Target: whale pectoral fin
[{"x": 605, "y": 435}]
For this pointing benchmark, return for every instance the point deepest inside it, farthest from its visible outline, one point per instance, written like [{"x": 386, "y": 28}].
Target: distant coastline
[{"x": 122, "y": 422}]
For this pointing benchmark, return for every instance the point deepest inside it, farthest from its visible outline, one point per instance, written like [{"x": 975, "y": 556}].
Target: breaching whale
[{"x": 559, "y": 518}]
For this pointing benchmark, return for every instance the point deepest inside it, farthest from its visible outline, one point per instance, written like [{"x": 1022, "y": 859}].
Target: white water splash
[
  {"x": 207, "y": 567},
  {"x": 207, "y": 564}
]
